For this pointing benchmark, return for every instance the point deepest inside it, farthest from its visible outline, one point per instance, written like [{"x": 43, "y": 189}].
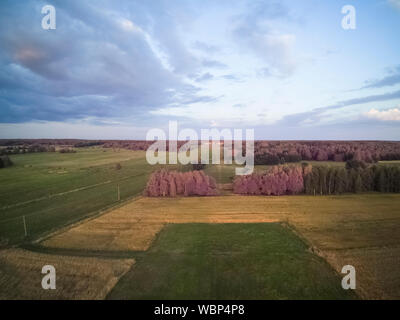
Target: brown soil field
[
  {"x": 360, "y": 230},
  {"x": 77, "y": 277}
]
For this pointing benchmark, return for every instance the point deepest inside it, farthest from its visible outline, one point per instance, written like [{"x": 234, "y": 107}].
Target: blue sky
[{"x": 115, "y": 69}]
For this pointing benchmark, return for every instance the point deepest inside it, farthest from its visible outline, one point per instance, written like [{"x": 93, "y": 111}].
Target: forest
[
  {"x": 265, "y": 152},
  {"x": 278, "y": 152}
]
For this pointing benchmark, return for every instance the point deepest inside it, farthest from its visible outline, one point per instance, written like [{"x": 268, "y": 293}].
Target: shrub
[
  {"x": 5, "y": 161},
  {"x": 293, "y": 157},
  {"x": 83, "y": 144},
  {"x": 198, "y": 166},
  {"x": 266, "y": 159},
  {"x": 67, "y": 150},
  {"x": 355, "y": 164}
]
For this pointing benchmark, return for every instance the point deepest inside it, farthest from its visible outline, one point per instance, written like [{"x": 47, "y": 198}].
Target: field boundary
[
  {"x": 90, "y": 216},
  {"x": 64, "y": 193}
]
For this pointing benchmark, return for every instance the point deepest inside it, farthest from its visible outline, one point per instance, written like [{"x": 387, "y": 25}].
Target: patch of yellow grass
[
  {"x": 135, "y": 225},
  {"x": 76, "y": 277},
  {"x": 377, "y": 270}
]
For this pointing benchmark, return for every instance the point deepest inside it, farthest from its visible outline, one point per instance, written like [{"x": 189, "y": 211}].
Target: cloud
[
  {"x": 395, "y": 3},
  {"x": 232, "y": 77},
  {"x": 102, "y": 61},
  {"x": 255, "y": 31},
  {"x": 384, "y": 115},
  {"x": 205, "y": 77},
  {"x": 391, "y": 79},
  {"x": 239, "y": 105},
  {"x": 205, "y": 47},
  {"x": 316, "y": 114},
  {"x": 209, "y": 63},
  {"x": 128, "y": 25}
]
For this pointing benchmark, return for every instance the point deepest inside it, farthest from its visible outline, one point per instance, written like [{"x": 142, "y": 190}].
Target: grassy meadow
[
  {"x": 229, "y": 261},
  {"x": 55, "y": 189}
]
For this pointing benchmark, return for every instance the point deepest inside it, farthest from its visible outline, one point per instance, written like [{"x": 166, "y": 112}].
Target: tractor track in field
[{"x": 64, "y": 193}]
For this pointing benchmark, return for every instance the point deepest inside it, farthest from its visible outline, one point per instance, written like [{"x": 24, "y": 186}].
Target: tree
[
  {"x": 267, "y": 159},
  {"x": 323, "y": 172},
  {"x": 198, "y": 166},
  {"x": 367, "y": 178},
  {"x": 330, "y": 180},
  {"x": 381, "y": 179},
  {"x": 355, "y": 181},
  {"x": 341, "y": 180},
  {"x": 292, "y": 157},
  {"x": 355, "y": 164}
]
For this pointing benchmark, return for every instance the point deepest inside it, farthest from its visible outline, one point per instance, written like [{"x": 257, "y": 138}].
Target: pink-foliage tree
[
  {"x": 279, "y": 180},
  {"x": 165, "y": 183}
]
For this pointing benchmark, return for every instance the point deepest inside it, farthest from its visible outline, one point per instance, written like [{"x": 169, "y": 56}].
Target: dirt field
[
  {"x": 77, "y": 277},
  {"x": 361, "y": 230}
]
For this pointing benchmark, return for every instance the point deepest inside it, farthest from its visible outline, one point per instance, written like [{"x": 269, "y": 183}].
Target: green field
[{"x": 229, "y": 261}]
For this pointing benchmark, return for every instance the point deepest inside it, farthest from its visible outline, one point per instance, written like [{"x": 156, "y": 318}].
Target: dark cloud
[
  {"x": 391, "y": 79},
  {"x": 96, "y": 64}
]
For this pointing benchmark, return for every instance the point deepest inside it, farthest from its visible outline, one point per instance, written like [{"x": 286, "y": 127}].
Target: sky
[{"x": 115, "y": 69}]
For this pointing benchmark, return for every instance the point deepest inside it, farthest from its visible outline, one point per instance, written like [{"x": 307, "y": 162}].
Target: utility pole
[{"x": 23, "y": 219}]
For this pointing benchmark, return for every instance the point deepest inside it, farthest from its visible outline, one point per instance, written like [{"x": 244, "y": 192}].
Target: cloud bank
[{"x": 384, "y": 115}]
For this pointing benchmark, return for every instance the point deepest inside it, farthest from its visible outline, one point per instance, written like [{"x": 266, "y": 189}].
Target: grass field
[
  {"x": 54, "y": 189},
  {"x": 229, "y": 261}
]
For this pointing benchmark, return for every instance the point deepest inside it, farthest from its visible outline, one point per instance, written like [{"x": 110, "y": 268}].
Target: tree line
[
  {"x": 336, "y": 180},
  {"x": 356, "y": 177},
  {"x": 164, "y": 183},
  {"x": 279, "y": 152},
  {"x": 278, "y": 180},
  {"x": 26, "y": 149}
]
